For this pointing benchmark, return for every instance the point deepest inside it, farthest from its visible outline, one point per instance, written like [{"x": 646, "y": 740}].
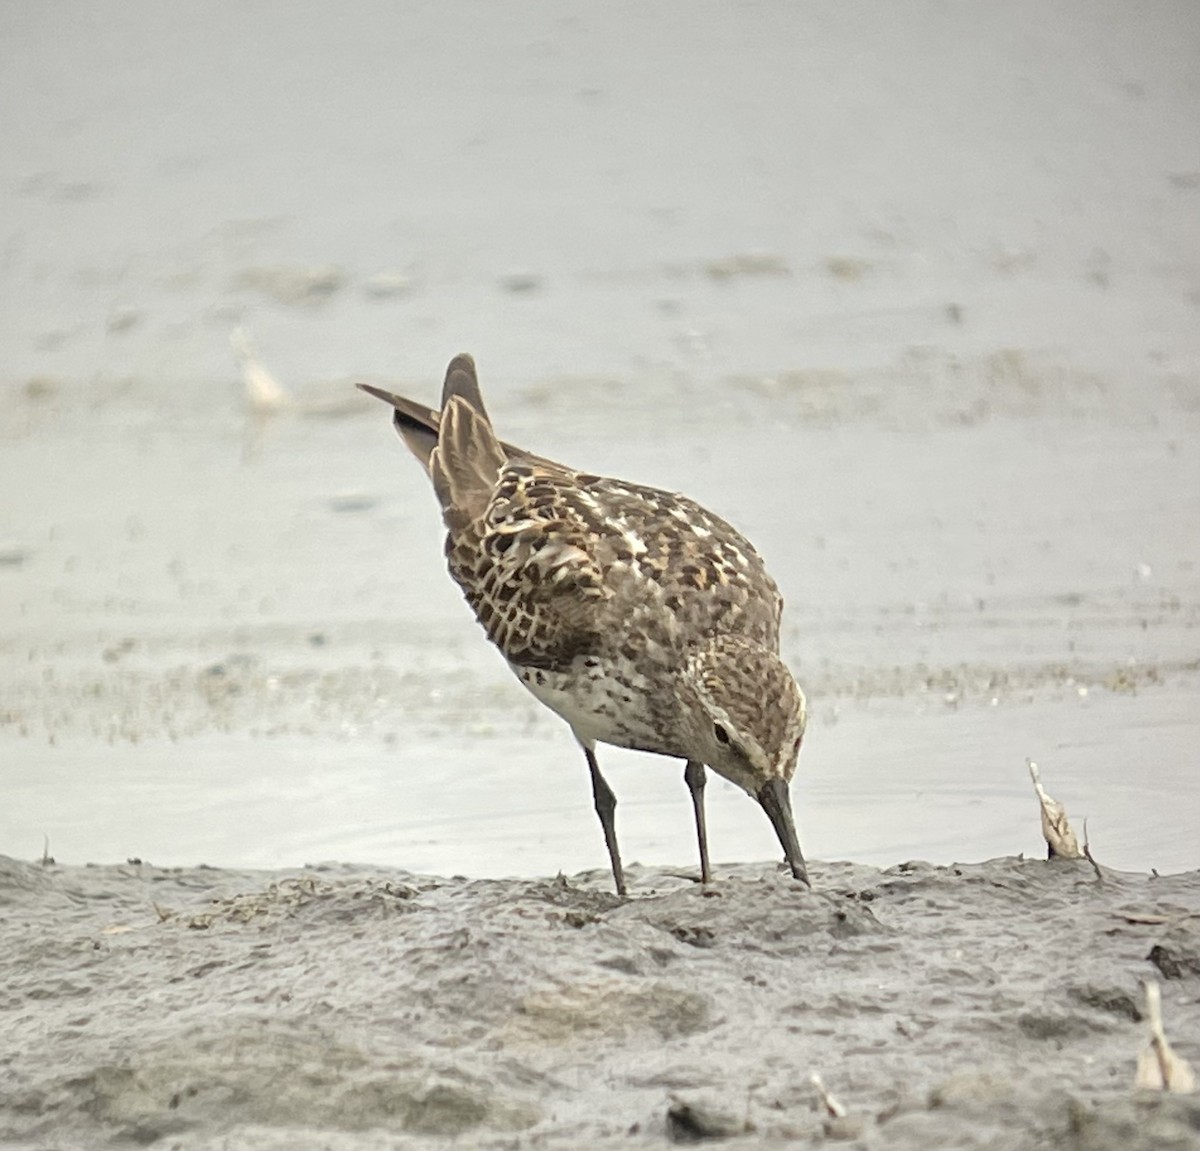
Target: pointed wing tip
[
  {"x": 462, "y": 365},
  {"x": 378, "y": 393}
]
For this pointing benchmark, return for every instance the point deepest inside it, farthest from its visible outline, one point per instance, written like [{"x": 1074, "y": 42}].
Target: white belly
[{"x": 602, "y": 705}]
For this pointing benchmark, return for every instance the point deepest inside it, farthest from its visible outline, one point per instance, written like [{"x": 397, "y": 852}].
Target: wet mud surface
[{"x": 985, "y": 1005}]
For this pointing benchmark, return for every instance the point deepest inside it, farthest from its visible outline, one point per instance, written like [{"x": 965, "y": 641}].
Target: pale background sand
[{"x": 910, "y": 294}]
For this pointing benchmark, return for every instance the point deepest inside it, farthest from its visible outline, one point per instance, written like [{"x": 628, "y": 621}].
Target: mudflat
[{"x": 992, "y": 1005}]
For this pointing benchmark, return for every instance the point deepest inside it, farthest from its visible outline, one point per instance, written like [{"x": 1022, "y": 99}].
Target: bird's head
[{"x": 747, "y": 724}]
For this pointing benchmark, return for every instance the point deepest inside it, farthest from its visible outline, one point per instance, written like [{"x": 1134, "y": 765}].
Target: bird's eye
[{"x": 721, "y": 734}]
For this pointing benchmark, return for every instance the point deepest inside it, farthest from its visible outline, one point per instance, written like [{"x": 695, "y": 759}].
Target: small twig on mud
[
  {"x": 834, "y": 1109},
  {"x": 1087, "y": 854},
  {"x": 1153, "y": 919},
  {"x": 1056, "y": 831},
  {"x": 1159, "y": 1068}
]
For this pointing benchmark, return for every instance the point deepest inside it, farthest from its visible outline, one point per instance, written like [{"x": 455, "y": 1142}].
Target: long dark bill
[{"x": 777, "y": 803}]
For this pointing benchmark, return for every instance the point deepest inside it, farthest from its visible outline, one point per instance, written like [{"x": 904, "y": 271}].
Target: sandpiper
[{"x": 641, "y": 618}]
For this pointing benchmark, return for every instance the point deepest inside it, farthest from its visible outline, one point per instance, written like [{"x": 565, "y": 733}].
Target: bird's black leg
[
  {"x": 606, "y": 805},
  {"x": 695, "y": 777}
]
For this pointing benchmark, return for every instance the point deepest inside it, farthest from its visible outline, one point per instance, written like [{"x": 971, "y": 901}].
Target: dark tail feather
[
  {"x": 417, "y": 424},
  {"x": 420, "y": 427}
]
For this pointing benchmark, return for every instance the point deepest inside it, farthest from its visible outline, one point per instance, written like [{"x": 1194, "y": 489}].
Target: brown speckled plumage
[{"x": 643, "y": 619}]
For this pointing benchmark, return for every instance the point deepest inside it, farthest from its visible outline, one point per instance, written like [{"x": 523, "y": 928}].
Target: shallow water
[
  {"x": 956, "y": 410},
  {"x": 254, "y": 669}
]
